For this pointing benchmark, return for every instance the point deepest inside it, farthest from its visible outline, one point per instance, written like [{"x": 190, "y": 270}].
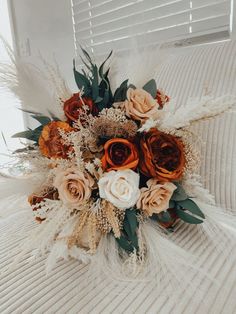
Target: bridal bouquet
[{"x": 113, "y": 174}]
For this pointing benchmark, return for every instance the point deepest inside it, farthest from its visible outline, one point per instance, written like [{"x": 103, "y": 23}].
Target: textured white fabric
[{"x": 70, "y": 289}]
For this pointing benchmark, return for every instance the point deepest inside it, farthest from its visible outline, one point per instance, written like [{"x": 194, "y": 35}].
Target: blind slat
[
  {"x": 110, "y": 24},
  {"x": 116, "y": 21}
]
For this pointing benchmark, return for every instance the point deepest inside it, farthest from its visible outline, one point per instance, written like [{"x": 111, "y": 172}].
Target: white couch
[{"x": 69, "y": 289}]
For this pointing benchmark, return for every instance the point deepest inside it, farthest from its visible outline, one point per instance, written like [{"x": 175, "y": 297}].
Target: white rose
[
  {"x": 121, "y": 188},
  {"x": 74, "y": 187}
]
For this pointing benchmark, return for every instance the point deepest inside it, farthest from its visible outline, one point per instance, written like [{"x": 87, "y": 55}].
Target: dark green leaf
[
  {"x": 82, "y": 81},
  {"x": 87, "y": 56},
  {"x": 99, "y": 99},
  {"x": 151, "y": 87},
  {"x": 192, "y": 207},
  {"x": 95, "y": 87},
  {"x": 120, "y": 93},
  {"x": 132, "y": 219},
  {"x": 42, "y": 119},
  {"x": 124, "y": 244},
  {"x": 179, "y": 194},
  {"x": 188, "y": 218},
  {"x": 25, "y": 134},
  {"x": 86, "y": 65},
  {"x": 171, "y": 204},
  {"x": 102, "y": 65}
]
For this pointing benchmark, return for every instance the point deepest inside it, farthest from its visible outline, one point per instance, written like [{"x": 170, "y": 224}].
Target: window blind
[{"x": 102, "y": 25}]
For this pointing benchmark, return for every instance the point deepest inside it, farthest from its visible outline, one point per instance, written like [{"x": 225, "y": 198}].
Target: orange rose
[
  {"x": 74, "y": 106},
  {"x": 119, "y": 154},
  {"x": 162, "y": 156},
  {"x": 51, "y": 143}
]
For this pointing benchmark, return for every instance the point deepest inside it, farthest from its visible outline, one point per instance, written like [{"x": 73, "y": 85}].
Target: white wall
[
  {"x": 11, "y": 119},
  {"x": 44, "y": 26}
]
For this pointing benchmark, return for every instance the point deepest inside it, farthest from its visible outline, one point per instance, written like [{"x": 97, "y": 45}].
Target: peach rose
[
  {"x": 155, "y": 198},
  {"x": 51, "y": 143},
  {"x": 140, "y": 105},
  {"x": 119, "y": 154},
  {"x": 161, "y": 156},
  {"x": 74, "y": 187}
]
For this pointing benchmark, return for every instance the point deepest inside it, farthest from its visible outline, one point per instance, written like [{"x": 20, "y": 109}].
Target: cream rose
[
  {"x": 140, "y": 105},
  {"x": 155, "y": 197},
  {"x": 74, "y": 187},
  {"x": 121, "y": 188}
]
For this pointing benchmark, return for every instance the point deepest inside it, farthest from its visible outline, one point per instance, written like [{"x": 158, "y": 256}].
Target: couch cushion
[
  {"x": 196, "y": 71},
  {"x": 69, "y": 288}
]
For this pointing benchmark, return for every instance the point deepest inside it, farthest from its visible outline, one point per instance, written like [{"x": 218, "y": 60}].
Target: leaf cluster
[
  {"x": 185, "y": 208},
  {"x": 129, "y": 239},
  {"x": 95, "y": 83},
  {"x": 34, "y": 134}
]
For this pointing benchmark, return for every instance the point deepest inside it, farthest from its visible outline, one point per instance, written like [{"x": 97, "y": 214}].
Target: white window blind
[{"x": 102, "y": 25}]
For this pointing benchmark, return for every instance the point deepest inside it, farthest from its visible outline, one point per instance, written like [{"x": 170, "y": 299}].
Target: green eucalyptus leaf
[
  {"x": 86, "y": 54},
  {"x": 95, "y": 87},
  {"x": 25, "y": 134},
  {"x": 192, "y": 207},
  {"x": 130, "y": 214},
  {"x": 187, "y": 217},
  {"x": 179, "y": 194},
  {"x": 42, "y": 119},
  {"x": 99, "y": 99},
  {"x": 82, "y": 81},
  {"x": 124, "y": 244},
  {"x": 102, "y": 66},
  {"x": 151, "y": 87},
  {"x": 120, "y": 93},
  {"x": 171, "y": 204}
]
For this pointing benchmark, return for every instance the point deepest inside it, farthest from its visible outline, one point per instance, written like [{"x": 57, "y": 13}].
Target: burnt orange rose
[
  {"x": 162, "y": 98},
  {"x": 119, "y": 154},
  {"x": 162, "y": 156},
  {"x": 51, "y": 143},
  {"x": 74, "y": 106}
]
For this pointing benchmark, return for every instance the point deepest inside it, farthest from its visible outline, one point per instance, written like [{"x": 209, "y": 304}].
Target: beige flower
[
  {"x": 140, "y": 105},
  {"x": 74, "y": 187},
  {"x": 155, "y": 197}
]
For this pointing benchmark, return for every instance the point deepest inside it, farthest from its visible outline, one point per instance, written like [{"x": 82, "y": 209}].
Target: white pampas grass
[
  {"x": 195, "y": 110},
  {"x": 37, "y": 92},
  {"x": 194, "y": 188}
]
